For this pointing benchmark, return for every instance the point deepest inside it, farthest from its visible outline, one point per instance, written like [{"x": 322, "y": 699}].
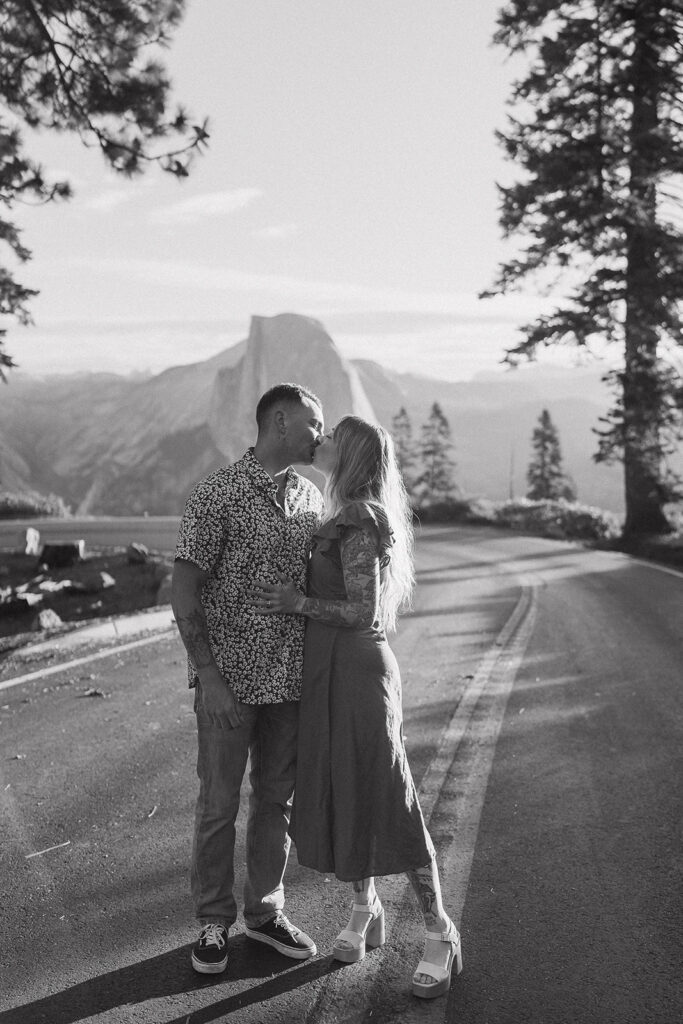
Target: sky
[{"x": 350, "y": 176}]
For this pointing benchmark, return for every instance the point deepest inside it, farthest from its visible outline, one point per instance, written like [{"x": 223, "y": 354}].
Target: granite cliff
[{"x": 116, "y": 445}]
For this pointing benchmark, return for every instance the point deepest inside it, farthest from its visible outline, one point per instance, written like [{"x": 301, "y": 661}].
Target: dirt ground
[{"x": 103, "y": 583}]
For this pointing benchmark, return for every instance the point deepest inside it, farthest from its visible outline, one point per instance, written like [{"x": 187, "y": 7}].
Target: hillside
[{"x": 116, "y": 445}]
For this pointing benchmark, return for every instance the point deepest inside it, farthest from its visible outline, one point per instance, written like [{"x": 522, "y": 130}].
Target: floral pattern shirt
[{"x": 234, "y": 529}]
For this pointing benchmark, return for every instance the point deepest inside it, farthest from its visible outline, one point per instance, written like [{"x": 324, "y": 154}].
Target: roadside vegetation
[
  {"x": 30, "y": 504},
  {"x": 594, "y": 137},
  {"x": 550, "y": 507},
  {"x": 36, "y": 597}
]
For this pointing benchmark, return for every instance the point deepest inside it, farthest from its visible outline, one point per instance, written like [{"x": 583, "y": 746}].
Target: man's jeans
[{"x": 268, "y": 735}]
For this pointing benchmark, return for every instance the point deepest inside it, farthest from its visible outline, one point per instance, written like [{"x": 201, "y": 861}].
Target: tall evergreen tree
[
  {"x": 436, "y": 479},
  {"x": 90, "y": 67},
  {"x": 546, "y": 477},
  {"x": 596, "y": 129},
  {"x": 404, "y": 443}
]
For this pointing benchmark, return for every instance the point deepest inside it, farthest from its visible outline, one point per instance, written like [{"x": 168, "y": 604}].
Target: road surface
[
  {"x": 157, "y": 532},
  {"x": 543, "y": 718}
]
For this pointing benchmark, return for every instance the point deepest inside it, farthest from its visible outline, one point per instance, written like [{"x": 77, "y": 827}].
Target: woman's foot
[
  {"x": 365, "y": 930},
  {"x": 442, "y": 952}
]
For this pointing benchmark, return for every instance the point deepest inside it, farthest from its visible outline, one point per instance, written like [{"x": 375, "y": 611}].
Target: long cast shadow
[{"x": 170, "y": 974}]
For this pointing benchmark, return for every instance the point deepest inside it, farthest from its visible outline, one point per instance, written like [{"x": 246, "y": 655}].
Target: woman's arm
[{"x": 360, "y": 565}]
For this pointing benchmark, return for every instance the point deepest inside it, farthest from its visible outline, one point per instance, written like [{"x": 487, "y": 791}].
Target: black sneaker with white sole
[
  {"x": 210, "y": 954},
  {"x": 283, "y": 936}
]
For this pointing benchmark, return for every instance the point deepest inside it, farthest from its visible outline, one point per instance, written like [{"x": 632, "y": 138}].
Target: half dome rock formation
[
  {"x": 113, "y": 445},
  {"x": 287, "y": 347}
]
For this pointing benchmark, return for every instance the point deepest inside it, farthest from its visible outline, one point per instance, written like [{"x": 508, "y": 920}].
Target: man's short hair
[{"x": 295, "y": 393}]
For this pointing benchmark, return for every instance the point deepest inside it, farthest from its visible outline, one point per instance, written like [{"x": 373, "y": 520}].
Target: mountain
[
  {"x": 282, "y": 348},
  {"x": 108, "y": 444},
  {"x": 492, "y": 418},
  {"x": 116, "y": 445}
]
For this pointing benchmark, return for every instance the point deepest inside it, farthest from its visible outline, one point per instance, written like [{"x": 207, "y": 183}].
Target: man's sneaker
[
  {"x": 210, "y": 955},
  {"x": 283, "y": 936}
]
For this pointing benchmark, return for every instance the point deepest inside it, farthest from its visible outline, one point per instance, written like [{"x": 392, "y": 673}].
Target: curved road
[{"x": 543, "y": 718}]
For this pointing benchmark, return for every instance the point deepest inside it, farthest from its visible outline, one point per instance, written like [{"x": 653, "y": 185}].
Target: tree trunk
[{"x": 643, "y": 457}]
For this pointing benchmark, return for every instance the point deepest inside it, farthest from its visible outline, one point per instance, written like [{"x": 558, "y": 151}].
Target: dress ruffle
[{"x": 360, "y": 515}]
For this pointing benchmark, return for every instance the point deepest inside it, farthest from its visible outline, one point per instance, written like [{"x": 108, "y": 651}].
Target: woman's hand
[{"x": 275, "y": 598}]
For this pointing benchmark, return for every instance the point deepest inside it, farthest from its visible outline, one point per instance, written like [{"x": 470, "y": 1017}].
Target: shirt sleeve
[{"x": 202, "y": 528}]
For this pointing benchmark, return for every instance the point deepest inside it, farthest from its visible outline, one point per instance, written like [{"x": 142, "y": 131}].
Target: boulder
[
  {"x": 57, "y": 556},
  {"x": 46, "y": 619},
  {"x": 53, "y": 586},
  {"x": 14, "y": 603},
  {"x": 32, "y": 546},
  {"x": 137, "y": 554},
  {"x": 93, "y": 583}
]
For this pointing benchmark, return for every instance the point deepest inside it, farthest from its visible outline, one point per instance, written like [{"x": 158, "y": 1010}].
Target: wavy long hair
[{"x": 367, "y": 472}]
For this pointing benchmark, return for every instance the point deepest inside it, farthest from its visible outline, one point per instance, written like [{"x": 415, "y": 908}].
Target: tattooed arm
[
  {"x": 186, "y": 600},
  {"x": 360, "y": 565}
]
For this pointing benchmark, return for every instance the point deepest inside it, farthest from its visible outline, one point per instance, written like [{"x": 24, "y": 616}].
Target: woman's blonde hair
[{"x": 367, "y": 473}]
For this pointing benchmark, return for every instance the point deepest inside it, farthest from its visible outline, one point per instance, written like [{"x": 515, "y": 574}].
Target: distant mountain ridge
[{"x": 125, "y": 446}]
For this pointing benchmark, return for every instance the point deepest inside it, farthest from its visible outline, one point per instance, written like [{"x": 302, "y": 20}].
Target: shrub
[
  {"x": 30, "y": 504},
  {"x": 561, "y": 519}
]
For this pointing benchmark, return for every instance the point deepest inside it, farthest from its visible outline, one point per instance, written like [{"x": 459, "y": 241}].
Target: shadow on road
[{"x": 170, "y": 974}]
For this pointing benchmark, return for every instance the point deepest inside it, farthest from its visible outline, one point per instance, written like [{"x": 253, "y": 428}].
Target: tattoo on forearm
[
  {"x": 192, "y": 629},
  {"x": 360, "y": 564}
]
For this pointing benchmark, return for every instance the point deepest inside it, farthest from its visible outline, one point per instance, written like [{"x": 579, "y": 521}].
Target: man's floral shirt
[{"x": 234, "y": 529}]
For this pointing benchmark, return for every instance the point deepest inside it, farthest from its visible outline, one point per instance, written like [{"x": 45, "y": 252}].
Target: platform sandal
[
  {"x": 441, "y": 975},
  {"x": 372, "y": 935}
]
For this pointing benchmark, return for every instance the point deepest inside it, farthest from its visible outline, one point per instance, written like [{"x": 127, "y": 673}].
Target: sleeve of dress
[
  {"x": 362, "y": 545},
  {"x": 367, "y": 516},
  {"x": 359, "y": 515}
]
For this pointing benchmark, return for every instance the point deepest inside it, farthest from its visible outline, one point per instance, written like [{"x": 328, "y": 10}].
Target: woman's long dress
[{"x": 355, "y": 812}]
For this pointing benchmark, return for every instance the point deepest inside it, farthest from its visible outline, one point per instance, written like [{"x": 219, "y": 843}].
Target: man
[{"x": 247, "y": 521}]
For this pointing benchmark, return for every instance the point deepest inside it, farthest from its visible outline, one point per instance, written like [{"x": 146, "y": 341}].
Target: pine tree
[
  {"x": 90, "y": 68},
  {"x": 545, "y": 476},
  {"x": 404, "y": 443},
  {"x": 597, "y": 133},
  {"x": 436, "y": 480}
]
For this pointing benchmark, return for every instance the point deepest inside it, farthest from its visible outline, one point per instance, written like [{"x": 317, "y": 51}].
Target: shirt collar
[{"x": 263, "y": 479}]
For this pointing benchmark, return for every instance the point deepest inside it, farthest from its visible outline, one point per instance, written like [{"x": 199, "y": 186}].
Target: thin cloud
[
  {"x": 108, "y": 200},
  {"x": 277, "y": 231},
  {"x": 211, "y": 204},
  {"x": 317, "y": 297}
]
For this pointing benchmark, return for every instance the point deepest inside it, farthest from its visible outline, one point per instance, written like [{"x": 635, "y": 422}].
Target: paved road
[
  {"x": 157, "y": 532},
  {"x": 543, "y": 720}
]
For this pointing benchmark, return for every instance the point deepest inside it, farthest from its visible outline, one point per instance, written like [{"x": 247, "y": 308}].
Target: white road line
[
  {"x": 492, "y": 683},
  {"x": 67, "y": 665},
  {"x": 657, "y": 565}
]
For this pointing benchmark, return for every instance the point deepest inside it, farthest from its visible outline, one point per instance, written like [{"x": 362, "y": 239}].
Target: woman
[{"x": 356, "y": 811}]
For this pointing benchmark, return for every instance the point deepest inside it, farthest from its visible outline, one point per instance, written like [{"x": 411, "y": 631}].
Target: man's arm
[{"x": 186, "y": 600}]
